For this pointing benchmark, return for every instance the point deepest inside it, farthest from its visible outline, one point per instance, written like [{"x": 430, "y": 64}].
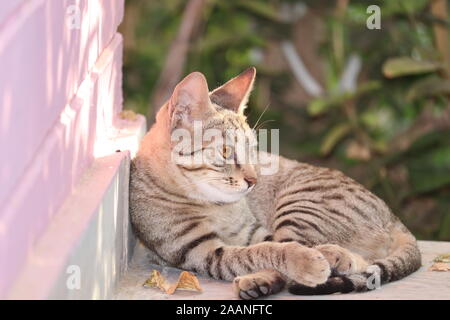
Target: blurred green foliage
[{"x": 391, "y": 132}]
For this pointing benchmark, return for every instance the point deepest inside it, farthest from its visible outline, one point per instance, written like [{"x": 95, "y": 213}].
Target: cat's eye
[{"x": 227, "y": 152}]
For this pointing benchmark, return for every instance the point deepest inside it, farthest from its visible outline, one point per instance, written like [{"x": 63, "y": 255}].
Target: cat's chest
[{"x": 232, "y": 222}]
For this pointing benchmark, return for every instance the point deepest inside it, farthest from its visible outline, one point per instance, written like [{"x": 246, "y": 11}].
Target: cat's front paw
[
  {"x": 341, "y": 260},
  {"x": 259, "y": 284},
  {"x": 306, "y": 265}
]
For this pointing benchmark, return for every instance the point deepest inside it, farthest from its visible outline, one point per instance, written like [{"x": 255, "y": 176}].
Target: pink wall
[{"x": 60, "y": 89}]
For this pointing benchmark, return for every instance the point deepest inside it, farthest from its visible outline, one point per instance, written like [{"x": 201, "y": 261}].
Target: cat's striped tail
[{"x": 404, "y": 260}]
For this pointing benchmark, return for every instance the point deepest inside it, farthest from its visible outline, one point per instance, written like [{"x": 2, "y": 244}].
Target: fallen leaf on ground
[
  {"x": 439, "y": 266},
  {"x": 156, "y": 280},
  {"x": 443, "y": 258},
  {"x": 186, "y": 280}
]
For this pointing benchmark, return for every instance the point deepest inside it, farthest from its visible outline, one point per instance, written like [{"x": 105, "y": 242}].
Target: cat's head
[{"x": 212, "y": 146}]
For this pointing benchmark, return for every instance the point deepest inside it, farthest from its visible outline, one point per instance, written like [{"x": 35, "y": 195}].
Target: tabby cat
[{"x": 311, "y": 229}]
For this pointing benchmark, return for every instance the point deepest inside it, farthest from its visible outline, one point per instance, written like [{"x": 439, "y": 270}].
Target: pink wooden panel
[
  {"x": 65, "y": 153},
  {"x": 43, "y": 64},
  {"x": 7, "y": 7},
  {"x": 56, "y": 86}
]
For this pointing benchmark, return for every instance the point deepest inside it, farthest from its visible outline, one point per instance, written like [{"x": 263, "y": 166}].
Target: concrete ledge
[
  {"x": 89, "y": 238},
  {"x": 423, "y": 284}
]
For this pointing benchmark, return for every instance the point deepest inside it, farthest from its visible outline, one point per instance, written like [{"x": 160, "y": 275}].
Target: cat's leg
[
  {"x": 259, "y": 284},
  {"x": 295, "y": 225},
  {"x": 344, "y": 264},
  {"x": 262, "y": 283},
  {"x": 342, "y": 261},
  {"x": 209, "y": 255}
]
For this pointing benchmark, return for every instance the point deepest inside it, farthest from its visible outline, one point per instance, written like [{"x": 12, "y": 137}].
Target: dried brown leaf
[
  {"x": 156, "y": 280},
  {"x": 443, "y": 258},
  {"x": 186, "y": 280},
  {"x": 439, "y": 266}
]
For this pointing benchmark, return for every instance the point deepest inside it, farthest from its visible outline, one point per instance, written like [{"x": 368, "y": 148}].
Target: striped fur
[{"x": 311, "y": 227}]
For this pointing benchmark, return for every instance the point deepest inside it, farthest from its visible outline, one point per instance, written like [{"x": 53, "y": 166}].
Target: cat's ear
[
  {"x": 234, "y": 94},
  {"x": 189, "y": 101}
]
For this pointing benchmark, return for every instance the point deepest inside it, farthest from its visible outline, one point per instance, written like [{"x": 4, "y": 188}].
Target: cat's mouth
[
  {"x": 242, "y": 192},
  {"x": 249, "y": 189}
]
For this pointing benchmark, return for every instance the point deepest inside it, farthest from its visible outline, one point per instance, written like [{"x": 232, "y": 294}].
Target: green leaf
[
  {"x": 444, "y": 228},
  {"x": 430, "y": 140},
  {"x": 320, "y": 105},
  {"x": 333, "y": 137},
  {"x": 262, "y": 9},
  {"x": 403, "y": 66},
  {"x": 420, "y": 146},
  {"x": 428, "y": 87},
  {"x": 392, "y": 7},
  {"x": 430, "y": 171}
]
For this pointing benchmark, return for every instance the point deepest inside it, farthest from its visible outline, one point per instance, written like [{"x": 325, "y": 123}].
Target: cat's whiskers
[
  {"x": 263, "y": 123},
  {"x": 261, "y": 115}
]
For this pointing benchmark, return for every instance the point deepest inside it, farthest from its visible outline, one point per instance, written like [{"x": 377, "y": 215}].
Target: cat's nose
[{"x": 251, "y": 181}]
